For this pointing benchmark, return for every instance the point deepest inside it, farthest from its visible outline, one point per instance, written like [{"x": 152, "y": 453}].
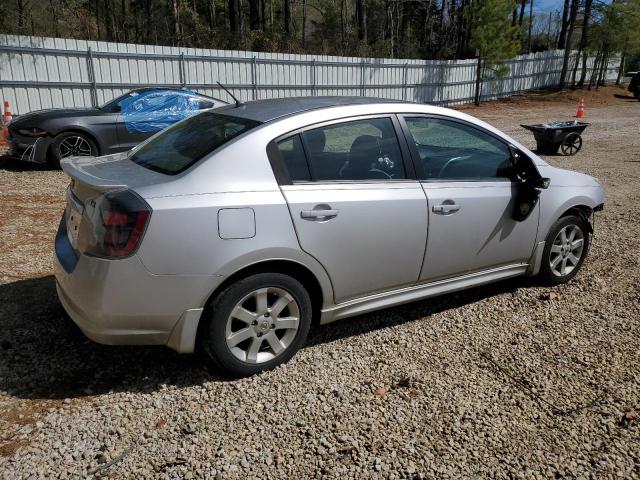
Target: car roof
[
  {"x": 176, "y": 89},
  {"x": 272, "y": 109}
]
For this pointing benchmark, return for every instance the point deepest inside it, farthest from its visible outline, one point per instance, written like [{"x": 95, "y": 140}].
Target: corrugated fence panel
[{"x": 37, "y": 73}]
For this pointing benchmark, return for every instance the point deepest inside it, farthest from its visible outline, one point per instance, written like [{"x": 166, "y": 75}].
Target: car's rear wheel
[
  {"x": 565, "y": 250},
  {"x": 256, "y": 324},
  {"x": 72, "y": 144}
]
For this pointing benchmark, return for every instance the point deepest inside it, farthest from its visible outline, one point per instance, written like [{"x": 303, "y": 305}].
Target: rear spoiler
[{"x": 79, "y": 168}]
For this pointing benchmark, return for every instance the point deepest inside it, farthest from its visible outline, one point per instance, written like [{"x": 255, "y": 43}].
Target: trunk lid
[{"x": 92, "y": 176}]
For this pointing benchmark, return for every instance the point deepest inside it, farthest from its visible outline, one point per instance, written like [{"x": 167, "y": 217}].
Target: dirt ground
[{"x": 498, "y": 381}]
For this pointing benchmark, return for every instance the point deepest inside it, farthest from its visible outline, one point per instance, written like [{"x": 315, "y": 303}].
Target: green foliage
[
  {"x": 433, "y": 29},
  {"x": 493, "y": 37}
]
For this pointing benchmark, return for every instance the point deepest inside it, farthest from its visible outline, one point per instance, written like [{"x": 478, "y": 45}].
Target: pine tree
[{"x": 494, "y": 39}]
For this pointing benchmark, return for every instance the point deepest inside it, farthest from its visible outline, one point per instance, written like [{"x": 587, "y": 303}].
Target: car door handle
[
  {"x": 324, "y": 214},
  {"x": 446, "y": 208}
]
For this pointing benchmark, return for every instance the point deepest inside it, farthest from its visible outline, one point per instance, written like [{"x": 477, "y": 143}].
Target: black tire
[
  {"x": 57, "y": 150},
  {"x": 213, "y": 334},
  {"x": 547, "y": 275}
]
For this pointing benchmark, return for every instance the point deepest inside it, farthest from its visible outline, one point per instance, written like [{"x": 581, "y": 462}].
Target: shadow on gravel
[
  {"x": 43, "y": 355},
  {"x": 12, "y": 165}
]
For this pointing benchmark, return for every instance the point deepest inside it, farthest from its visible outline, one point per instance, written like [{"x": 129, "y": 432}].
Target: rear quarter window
[{"x": 180, "y": 146}]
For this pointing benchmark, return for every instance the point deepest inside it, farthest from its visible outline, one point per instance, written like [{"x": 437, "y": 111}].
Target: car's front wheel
[
  {"x": 565, "y": 250},
  {"x": 71, "y": 144},
  {"x": 256, "y": 324}
]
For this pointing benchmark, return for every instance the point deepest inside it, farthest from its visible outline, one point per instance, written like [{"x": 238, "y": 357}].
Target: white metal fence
[{"x": 37, "y": 73}]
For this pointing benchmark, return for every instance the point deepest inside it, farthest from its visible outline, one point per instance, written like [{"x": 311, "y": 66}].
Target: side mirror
[{"x": 526, "y": 171}]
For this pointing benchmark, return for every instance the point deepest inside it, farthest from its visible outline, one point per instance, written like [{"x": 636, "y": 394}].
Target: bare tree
[
  {"x": 254, "y": 14},
  {"x": 564, "y": 24},
  {"x": 567, "y": 50},
  {"x": 288, "y": 25},
  {"x": 235, "y": 24},
  {"x": 584, "y": 38},
  {"x": 361, "y": 16}
]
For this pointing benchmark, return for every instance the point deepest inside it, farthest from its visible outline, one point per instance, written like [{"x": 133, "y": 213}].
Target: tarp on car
[{"x": 151, "y": 111}]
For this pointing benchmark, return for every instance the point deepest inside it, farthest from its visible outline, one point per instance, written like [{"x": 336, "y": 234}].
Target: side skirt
[{"x": 418, "y": 292}]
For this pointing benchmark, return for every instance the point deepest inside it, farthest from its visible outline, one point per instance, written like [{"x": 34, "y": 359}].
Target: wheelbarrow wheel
[{"x": 571, "y": 144}]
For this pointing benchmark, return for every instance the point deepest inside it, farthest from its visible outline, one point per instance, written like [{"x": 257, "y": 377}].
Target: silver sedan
[{"x": 237, "y": 228}]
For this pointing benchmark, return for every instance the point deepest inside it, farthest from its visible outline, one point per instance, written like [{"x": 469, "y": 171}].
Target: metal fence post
[
  {"x": 404, "y": 81},
  {"x": 313, "y": 77},
  {"x": 441, "y": 85},
  {"x": 92, "y": 78},
  {"x": 362, "y": 79},
  {"x": 254, "y": 85},
  {"x": 182, "y": 71}
]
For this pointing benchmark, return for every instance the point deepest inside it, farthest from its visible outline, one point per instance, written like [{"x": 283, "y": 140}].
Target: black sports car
[{"x": 118, "y": 125}]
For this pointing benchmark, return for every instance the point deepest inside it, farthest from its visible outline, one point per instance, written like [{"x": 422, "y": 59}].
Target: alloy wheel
[
  {"x": 566, "y": 250},
  {"x": 262, "y": 325},
  {"x": 75, "y": 146}
]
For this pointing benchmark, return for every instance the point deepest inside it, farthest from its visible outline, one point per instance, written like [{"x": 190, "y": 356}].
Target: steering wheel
[
  {"x": 382, "y": 172},
  {"x": 449, "y": 162}
]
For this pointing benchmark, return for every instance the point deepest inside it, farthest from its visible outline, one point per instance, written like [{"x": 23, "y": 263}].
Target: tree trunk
[
  {"x": 20, "y": 6},
  {"x": 564, "y": 25},
  {"x": 254, "y": 14},
  {"x": 124, "y": 22},
  {"x": 361, "y": 15},
  {"x": 596, "y": 64},
  {"x": 405, "y": 23},
  {"x": 211, "y": 11},
  {"x": 287, "y": 19},
  {"x": 530, "y": 25},
  {"x": 54, "y": 16},
  {"x": 575, "y": 67},
  {"x": 304, "y": 23},
  {"x": 602, "y": 75},
  {"x": 478, "y": 91},
  {"x": 149, "y": 22},
  {"x": 567, "y": 50},
  {"x": 175, "y": 10},
  {"x": 233, "y": 7},
  {"x": 584, "y": 37},
  {"x": 97, "y": 8},
  {"x": 523, "y": 3},
  {"x": 623, "y": 59}
]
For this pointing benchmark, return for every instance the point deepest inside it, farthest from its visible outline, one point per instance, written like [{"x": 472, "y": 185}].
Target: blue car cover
[{"x": 153, "y": 110}]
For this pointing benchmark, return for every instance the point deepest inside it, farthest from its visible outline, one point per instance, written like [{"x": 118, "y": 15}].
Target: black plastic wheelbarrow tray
[{"x": 554, "y": 136}]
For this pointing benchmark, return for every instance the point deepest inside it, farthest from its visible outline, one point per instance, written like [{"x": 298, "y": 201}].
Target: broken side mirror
[{"x": 529, "y": 185}]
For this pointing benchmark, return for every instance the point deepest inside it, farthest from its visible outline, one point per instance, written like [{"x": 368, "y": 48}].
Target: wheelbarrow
[{"x": 553, "y": 136}]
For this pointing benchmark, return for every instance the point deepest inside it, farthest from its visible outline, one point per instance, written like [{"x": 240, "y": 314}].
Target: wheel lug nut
[
  {"x": 259, "y": 334},
  {"x": 273, "y": 326},
  {"x": 255, "y": 322},
  {"x": 267, "y": 314}
]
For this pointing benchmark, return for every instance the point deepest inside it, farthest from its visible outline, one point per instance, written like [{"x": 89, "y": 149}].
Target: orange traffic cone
[
  {"x": 580, "y": 113},
  {"x": 6, "y": 118}
]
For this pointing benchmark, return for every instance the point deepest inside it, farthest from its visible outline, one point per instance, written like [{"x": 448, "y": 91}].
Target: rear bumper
[{"x": 118, "y": 302}]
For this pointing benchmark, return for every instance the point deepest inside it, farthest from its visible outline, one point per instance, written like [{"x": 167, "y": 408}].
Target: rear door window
[
  {"x": 358, "y": 150},
  {"x": 294, "y": 159},
  {"x": 185, "y": 143}
]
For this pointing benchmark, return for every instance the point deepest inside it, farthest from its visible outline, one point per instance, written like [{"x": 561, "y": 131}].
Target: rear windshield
[{"x": 183, "y": 144}]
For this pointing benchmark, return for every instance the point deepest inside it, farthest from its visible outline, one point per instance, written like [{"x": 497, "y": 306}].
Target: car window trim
[
  {"x": 278, "y": 164},
  {"x": 417, "y": 161}
]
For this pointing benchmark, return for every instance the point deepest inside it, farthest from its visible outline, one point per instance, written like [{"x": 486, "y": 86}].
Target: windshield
[
  {"x": 113, "y": 106},
  {"x": 178, "y": 147}
]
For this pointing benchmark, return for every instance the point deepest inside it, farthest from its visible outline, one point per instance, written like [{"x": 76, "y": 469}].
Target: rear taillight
[{"x": 117, "y": 220}]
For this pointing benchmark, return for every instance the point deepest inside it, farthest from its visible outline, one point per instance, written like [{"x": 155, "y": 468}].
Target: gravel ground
[{"x": 509, "y": 381}]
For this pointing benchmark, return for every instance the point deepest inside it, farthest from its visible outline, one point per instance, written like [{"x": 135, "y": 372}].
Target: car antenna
[{"x": 238, "y": 102}]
